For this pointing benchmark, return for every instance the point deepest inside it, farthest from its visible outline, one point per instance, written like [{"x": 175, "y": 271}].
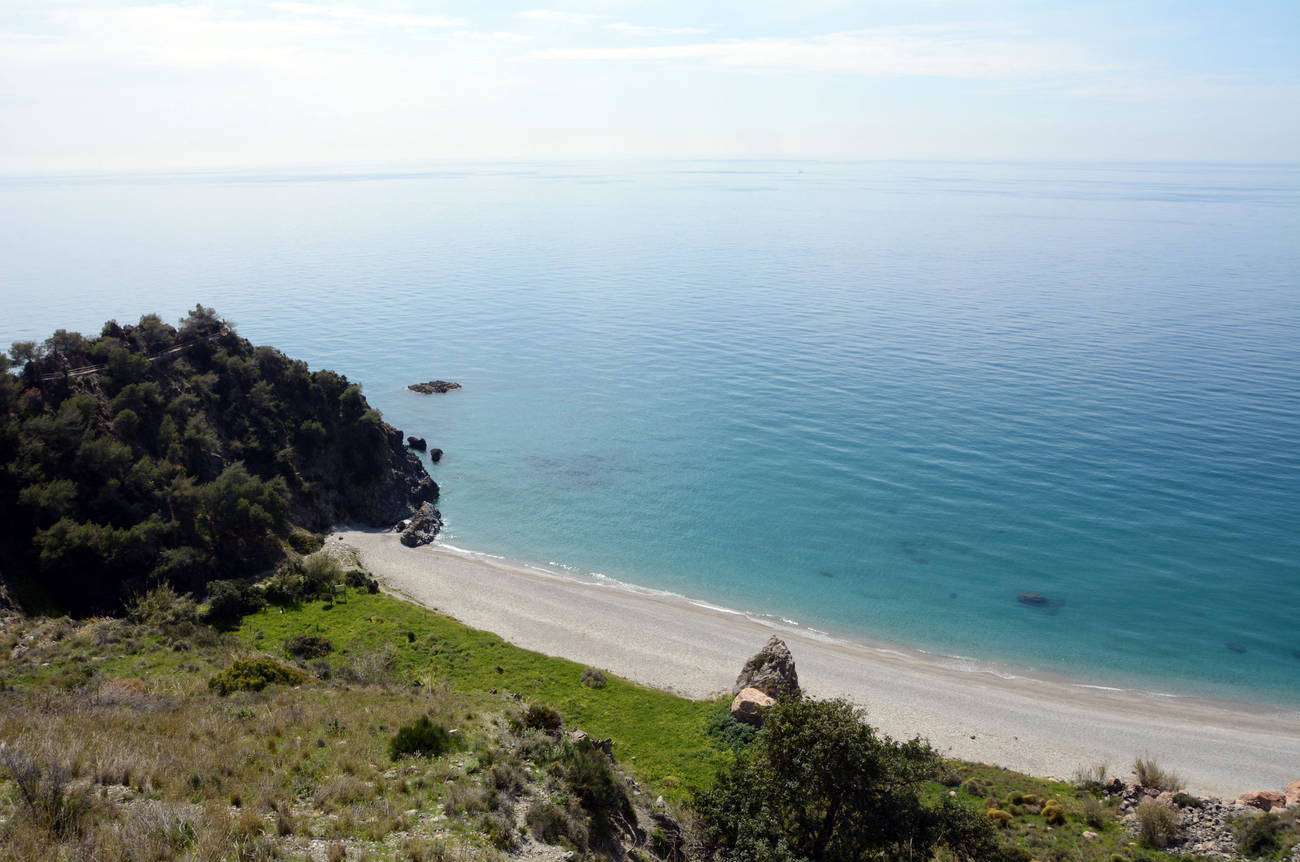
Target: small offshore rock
[
  {"x": 1262, "y": 799},
  {"x": 422, "y": 527},
  {"x": 750, "y": 704},
  {"x": 770, "y": 670},
  {"x": 1032, "y": 599},
  {"x": 435, "y": 455},
  {"x": 417, "y": 443},
  {"x": 433, "y": 386}
]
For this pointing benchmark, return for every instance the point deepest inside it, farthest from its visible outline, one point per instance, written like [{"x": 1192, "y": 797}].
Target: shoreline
[{"x": 1040, "y": 725}]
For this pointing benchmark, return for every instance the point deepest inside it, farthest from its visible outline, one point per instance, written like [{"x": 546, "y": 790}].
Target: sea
[{"x": 876, "y": 401}]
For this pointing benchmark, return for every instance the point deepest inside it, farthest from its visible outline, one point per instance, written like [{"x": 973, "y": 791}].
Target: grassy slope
[{"x": 662, "y": 736}]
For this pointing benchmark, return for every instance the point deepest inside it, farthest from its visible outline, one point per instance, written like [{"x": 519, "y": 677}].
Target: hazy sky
[{"x": 92, "y": 85}]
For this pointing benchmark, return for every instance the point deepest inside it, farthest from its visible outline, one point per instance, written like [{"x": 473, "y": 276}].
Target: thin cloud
[
  {"x": 641, "y": 30},
  {"x": 365, "y": 17},
  {"x": 559, "y": 16},
  {"x": 860, "y": 52}
]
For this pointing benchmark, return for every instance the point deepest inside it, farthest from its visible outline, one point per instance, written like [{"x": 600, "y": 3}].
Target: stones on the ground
[
  {"x": 435, "y": 455},
  {"x": 1034, "y": 599},
  {"x": 605, "y": 746},
  {"x": 1089, "y": 835},
  {"x": 750, "y": 704},
  {"x": 431, "y": 387},
  {"x": 422, "y": 527},
  {"x": 1264, "y": 800},
  {"x": 770, "y": 670},
  {"x": 417, "y": 443}
]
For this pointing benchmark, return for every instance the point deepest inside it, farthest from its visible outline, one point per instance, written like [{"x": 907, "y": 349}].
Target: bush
[
  {"x": 359, "y": 579},
  {"x": 307, "y": 646},
  {"x": 538, "y": 717},
  {"x": 254, "y": 674},
  {"x": 1257, "y": 833},
  {"x": 423, "y": 738},
  {"x": 1149, "y": 774},
  {"x": 818, "y": 783},
  {"x": 730, "y": 731},
  {"x": 1091, "y": 778},
  {"x": 229, "y": 600},
  {"x": 590, "y": 774},
  {"x": 164, "y": 609},
  {"x": 305, "y": 542},
  {"x": 1053, "y": 813},
  {"x": 1157, "y": 823},
  {"x": 593, "y": 678},
  {"x": 998, "y": 816},
  {"x": 45, "y": 792},
  {"x": 551, "y": 824}
]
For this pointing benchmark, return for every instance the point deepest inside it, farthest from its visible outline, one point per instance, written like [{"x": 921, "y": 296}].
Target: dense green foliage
[
  {"x": 420, "y": 738},
  {"x": 154, "y": 453},
  {"x": 254, "y": 674},
  {"x": 817, "y": 783}
]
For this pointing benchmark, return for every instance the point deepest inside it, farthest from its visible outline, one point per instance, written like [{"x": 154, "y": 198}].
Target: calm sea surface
[{"x": 875, "y": 399}]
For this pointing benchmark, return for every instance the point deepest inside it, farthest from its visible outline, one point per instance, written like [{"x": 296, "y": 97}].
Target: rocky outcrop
[
  {"x": 435, "y": 455},
  {"x": 1293, "y": 793},
  {"x": 422, "y": 527},
  {"x": 771, "y": 671},
  {"x": 433, "y": 386},
  {"x": 417, "y": 443},
  {"x": 1264, "y": 800},
  {"x": 749, "y": 706}
]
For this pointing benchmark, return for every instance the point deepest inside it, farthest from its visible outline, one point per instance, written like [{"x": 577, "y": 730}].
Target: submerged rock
[
  {"x": 433, "y": 386},
  {"x": 770, "y": 670},
  {"x": 1035, "y": 599},
  {"x": 422, "y": 527}
]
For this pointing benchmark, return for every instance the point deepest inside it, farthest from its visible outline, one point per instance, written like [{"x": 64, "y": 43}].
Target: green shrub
[
  {"x": 229, "y": 600},
  {"x": 1053, "y": 813},
  {"x": 1157, "y": 823},
  {"x": 551, "y": 824},
  {"x": 1257, "y": 833},
  {"x": 307, "y": 646},
  {"x": 305, "y": 542},
  {"x": 590, "y": 775},
  {"x": 46, "y": 793},
  {"x": 730, "y": 731},
  {"x": 361, "y": 580},
  {"x": 593, "y": 678},
  {"x": 423, "y": 738},
  {"x": 538, "y": 717},
  {"x": 1149, "y": 774},
  {"x": 998, "y": 816},
  {"x": 254, "y": 674}
]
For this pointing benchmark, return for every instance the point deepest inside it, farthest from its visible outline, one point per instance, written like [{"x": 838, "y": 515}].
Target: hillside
[{"x": 152, "y": 453}]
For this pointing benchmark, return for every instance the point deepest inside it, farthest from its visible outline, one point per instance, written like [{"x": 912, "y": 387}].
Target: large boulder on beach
[
  {"x": 1293, "y": 793},
  {"x": 749, "y": 706},
  {"x": 770, "y": 670},
  {"x": 422, "y": 527},
  {"x": 1264, "y": 800}
]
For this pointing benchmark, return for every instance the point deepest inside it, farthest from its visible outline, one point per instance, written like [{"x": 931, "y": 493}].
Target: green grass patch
[{"x": 662, "y": 737}]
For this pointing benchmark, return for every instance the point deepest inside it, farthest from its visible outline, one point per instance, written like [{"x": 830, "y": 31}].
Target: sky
[{"x": 117, "y": 85}]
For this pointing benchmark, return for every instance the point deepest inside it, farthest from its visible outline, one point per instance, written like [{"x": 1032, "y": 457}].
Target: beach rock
[
  {"x": 1035, "y": 599},
  {"x": 417, "y": 443},
  {"x": 433, "y": 386},
  {"x": 422, "y": 527},
  {"x": 1293, "y": 793},
  {"x": 435, "y": 455},
  {"x": 770, "y": 670},
  {"x": 1262, "y": 799},
  {"x": 749, "y": 706}
]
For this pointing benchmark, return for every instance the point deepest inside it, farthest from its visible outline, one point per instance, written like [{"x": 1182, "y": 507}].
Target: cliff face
[{"x": 184, "y": 454}]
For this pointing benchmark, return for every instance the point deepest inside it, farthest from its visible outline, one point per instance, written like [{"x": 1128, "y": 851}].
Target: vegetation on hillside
[{"x": 154, "y": 453}]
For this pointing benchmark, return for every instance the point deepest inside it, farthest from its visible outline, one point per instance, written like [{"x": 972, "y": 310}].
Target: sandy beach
[{"x": 1046, "y": 727}]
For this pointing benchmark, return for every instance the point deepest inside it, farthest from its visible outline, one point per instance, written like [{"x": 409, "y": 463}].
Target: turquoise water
[{"x": 878, "y": 399}]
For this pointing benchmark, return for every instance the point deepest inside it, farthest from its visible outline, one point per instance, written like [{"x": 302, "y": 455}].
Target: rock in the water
[
  {"x": 422, "y": 527},
  {"x": 435, "y": 455},
  {"x": 1233, "y": 646},
  {"x": 418, "y": 443},
  {"x": 749, "y": 706},
  {"x": 1262, "y": 799},
  {"x": 1293, "y": 793},
  {"x": 770, "y": 670},
  {"x": 432, "y": 386},
  {"x": 1032, "y": 599}
]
